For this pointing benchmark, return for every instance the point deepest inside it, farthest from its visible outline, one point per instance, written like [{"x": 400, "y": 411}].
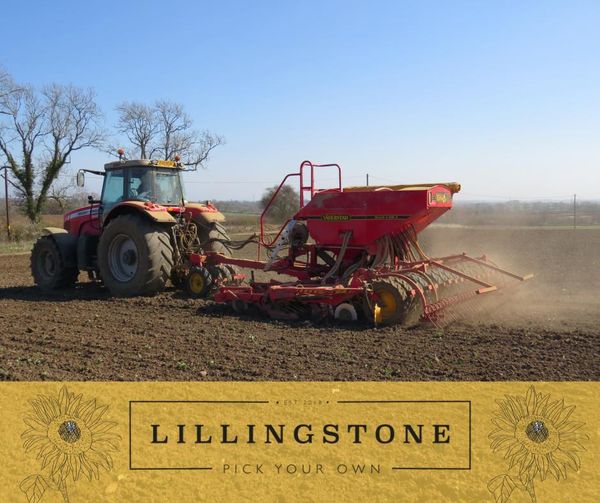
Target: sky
[{"x": 501, "y": 96}]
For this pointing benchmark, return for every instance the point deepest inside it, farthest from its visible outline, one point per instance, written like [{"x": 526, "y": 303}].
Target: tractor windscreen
[{"x": 159, "y": 185}]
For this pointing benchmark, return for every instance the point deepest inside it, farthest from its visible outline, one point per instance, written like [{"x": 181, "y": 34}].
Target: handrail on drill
[{"x": 303, "y": 188}]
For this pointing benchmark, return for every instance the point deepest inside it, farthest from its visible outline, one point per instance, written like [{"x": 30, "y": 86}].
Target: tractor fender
[
  {"x": 204, "y": 213},
  {"x": 67, "y": 244},
  {"x": 154, "y": 212},
  {"x": 53, "y": 230}
]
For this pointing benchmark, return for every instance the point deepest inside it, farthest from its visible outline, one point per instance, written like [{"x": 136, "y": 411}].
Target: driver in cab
[{"x": 144, "y": 191}]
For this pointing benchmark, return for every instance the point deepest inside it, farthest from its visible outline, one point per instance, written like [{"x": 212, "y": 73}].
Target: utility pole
[
  {"x": 6, "y": 201},
  {"x": 574, "y": 211},
  {"x": 367, "y": 179}
]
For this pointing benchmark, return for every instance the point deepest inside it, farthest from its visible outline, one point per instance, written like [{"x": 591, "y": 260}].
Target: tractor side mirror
[{"x": 80, "y": 178}]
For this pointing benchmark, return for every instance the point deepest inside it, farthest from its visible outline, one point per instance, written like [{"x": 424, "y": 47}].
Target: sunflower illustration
[
  {"x": 71, "y": 440},
  {"x": 537, "y": 439}
]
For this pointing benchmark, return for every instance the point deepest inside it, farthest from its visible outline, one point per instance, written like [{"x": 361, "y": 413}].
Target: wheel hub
[
  {"x": 123, "y": 258},
  {"x": 197, "y": 282},
  {"x": 129, "y": 257},
  {"x": 48, "y": 263}
]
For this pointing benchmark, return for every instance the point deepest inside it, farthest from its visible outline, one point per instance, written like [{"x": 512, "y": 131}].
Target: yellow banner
[{"x": 151, "y": 442}]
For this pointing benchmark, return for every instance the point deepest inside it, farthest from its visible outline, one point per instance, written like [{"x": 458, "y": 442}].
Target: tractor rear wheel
[
  {"x": 48, "y": 266},
  {"x": 135, "y": 256},
  {"x": 211, "y": 236},
  {"x": 392, "y": 302}
]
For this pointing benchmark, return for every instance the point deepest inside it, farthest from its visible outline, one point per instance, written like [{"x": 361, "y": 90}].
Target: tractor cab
[
  {"x": 147, "y": 184},
  {"x": 153, "y": 181}
]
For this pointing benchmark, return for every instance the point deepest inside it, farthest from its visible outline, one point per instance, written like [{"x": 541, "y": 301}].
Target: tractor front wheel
[
  {"x": 48, "y": 266},
  {"x": 135, "y": 256}
]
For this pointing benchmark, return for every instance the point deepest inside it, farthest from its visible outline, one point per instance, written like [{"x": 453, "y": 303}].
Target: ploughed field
[{"x": 547, "y": 329}]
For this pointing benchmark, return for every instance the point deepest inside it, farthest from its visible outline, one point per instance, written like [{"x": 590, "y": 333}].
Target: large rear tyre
[
  {"x": 135, "y": 256},
  {"x": 211, "y": 236},
  {"x": 48, "y": 266}
]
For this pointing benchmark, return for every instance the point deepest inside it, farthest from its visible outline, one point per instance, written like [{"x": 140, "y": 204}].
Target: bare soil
[{"x": 546, "y": 329}]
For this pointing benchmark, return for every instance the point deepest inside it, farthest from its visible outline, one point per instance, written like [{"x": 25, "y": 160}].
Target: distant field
[
  {"x": 241, "y": 219},
  {"x": 24, "y": 233},
  {"x": 508, "y": 227},
  {"x": 21, "y": 228}
]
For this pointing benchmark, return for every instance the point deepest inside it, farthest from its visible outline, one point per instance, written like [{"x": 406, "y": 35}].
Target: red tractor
[{"x": 136, "y": 237}]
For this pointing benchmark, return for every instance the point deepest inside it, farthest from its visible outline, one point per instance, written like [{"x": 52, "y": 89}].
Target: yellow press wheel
[
  {"x": 391, "y": 301},
  {"x": 198, "y": 282}
]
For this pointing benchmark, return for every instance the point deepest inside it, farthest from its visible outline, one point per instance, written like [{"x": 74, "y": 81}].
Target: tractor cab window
[
  {"x": 112, "y": 193},
  {"x": 159, "y": 185},
  {"x": 168, "y": 187}
]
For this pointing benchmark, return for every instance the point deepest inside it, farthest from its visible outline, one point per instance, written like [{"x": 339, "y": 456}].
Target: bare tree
[
  {"x": 38, "y": 133},
  {"x": 175, "y": 129},
  {"x": 66, "y": 195},
  {"x": 140, "y": 124},
  {"x": 61, "y": 192},
  {"x": 164, "y": 131},
  {"x": 7, "y": 85}
]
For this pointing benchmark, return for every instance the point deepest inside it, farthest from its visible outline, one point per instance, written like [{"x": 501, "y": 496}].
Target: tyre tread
[
  {"x": 160, "y": 256},
  {"x": 66, "y": 276}
]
